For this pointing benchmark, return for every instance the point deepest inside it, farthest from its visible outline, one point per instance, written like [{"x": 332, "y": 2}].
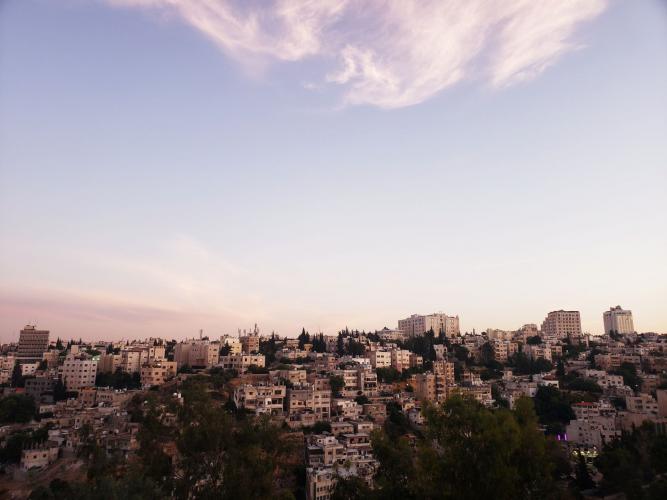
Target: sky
[{"x": 168, "y": 166}]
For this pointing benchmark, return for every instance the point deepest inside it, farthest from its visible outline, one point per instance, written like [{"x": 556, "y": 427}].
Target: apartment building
[
  {"x": 197, "y": 353},
  {"x": 305, "y": 398},
  {"x": 261, "y": 399},
  {"x": 562, "y": 324},
  {"x": 32, "y": 344},
  {"x": 618, "y": 320},
  {"x": 380, "y": 358},
  {"x": 157, "y": 373},
  {"x": 438, "y": 322},
  {"x": 78, "y": 371},
  {"x": 233, "y": 343},
  {"x": 241, "y": 362},
  {"x": 400, "y": 359}
]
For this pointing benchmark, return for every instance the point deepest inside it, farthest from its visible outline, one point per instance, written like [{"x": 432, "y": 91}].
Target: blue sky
[{"x": 157, "y": 178}]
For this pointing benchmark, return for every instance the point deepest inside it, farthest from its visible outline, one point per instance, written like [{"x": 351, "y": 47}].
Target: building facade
[
  {"x": 562, "y": 324},
  {"x": 618, "y": 320},
  {"x": 438, "y": 322},
  {"x": 32, "y": 344}
]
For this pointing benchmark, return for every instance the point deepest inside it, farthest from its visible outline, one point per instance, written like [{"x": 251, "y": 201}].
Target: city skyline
[{"x": 299, "y": 166}]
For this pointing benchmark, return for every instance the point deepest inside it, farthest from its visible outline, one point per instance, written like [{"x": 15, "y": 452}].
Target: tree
[
  {"x": 388, "y": 374},
  {"x": 17, "y": 408},
  {"x": 553, "y": 409},
  {"x": 304, "y": 338},
  {"x": 350, "y": 488},
  {"x": 629, "y": 373},
  {"x": 585, "y": 385},
  {"x": 362, "y": 400},
  {"x": 583, "y": 477},
  {"x": 534, "y": 340},
  {"x": 473, "y": 452},
  {"x": 17, "y": 376},
  {"x": 336, "y": 383}
]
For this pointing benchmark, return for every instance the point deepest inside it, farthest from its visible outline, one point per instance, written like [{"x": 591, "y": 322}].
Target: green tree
[
  {"x": 337, "y": 383},
  {"x": 351, "y": 488},
  {"x": 17, "y": 408}
]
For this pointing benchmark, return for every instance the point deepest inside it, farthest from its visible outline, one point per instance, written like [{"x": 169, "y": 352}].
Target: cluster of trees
[
  {"x": 635, "y": 464},
  {"x": 17, "y": 408},
  {"x": 630, "y": 377},
  {"x": 553, "y": 408},
  {"x": 468, "y": 452},
  {"x": 223, "y": 453},
  {"x": 319, "y": 345},
  {"x": 389, "y": 374},
  {"x": 346, "y": 344},
  {"x": 523, "y": 365},
  {"x": 118, "y": 380}
]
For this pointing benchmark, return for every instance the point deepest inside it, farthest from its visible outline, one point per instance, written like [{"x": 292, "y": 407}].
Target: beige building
[
  {"x": 438, "y": 322},
  {"x": 39, "y": 455},
  {"x": 261, "y": 399},
  {"x": 109, "y": 363},
  {"x": 400, "y": 359},
  {"x": 562, "y": 324},
  {"x": 618, "y": 320},
  {"x": 241, "y": 362},
  {"x": 32, "y": 344},
  {"x": 78, "y": 371},
  {"x": 157, "y": 373},
  {"x": 305, "y": 397},
  {"x": 197, "y": 353},
  {"x": 380, "y": 358},
  {"x": 233, "y": 343}
]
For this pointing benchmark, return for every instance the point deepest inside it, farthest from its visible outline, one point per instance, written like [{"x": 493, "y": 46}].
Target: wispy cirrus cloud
[{"x": 393, "y": 53}]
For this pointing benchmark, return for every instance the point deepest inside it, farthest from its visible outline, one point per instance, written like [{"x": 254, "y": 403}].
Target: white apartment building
[
  {"x": 618, "y": 320},
  {"x": 78, "y": 371},
  {"x": 438, "y": 322}
]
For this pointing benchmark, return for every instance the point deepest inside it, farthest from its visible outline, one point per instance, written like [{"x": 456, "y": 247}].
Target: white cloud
[{"x": 393, "y": 53}]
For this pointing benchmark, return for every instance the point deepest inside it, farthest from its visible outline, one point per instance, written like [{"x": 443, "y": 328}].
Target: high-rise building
[
  {"x": 32, "y": 344},
  {"x": 562, "y": 324},
  {"x": 438, "y": 322},
  {"x": 618, "y": 320}
]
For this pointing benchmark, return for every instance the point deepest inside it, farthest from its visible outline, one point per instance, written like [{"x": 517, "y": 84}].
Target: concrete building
[
  {"x": 32, "y": 344},
  {"x": 400, "y": 359},
  {"x": 618, "y": 320},
  {"x": 233, "y": 343},
  {"x": 157, "y": 373},
  {"x": 305, "y": 397},
  {"x": 380, "y": 358},
  {"x": 197, "y": 353},
  {"x": 261, "y": 399},
  {"x": 78, "y": 371},
  {"x": 39, "y": 455},
  {"x": 562, "y": 324},
  {"x": 241, "y": 362},
  {"x": 438, "y": 322}
]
